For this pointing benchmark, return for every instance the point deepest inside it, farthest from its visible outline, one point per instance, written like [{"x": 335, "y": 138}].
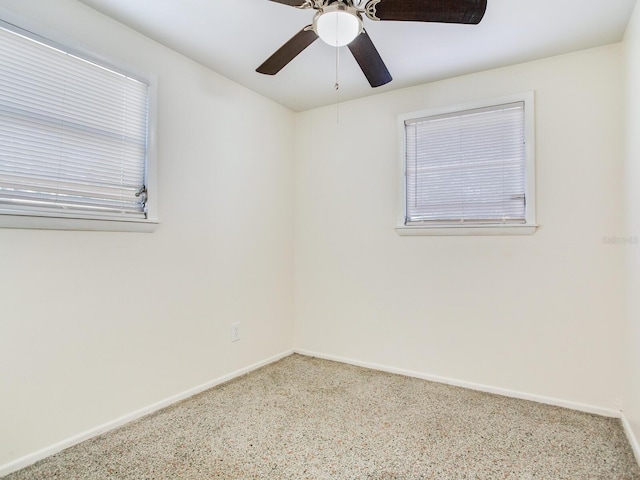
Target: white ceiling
[{"x": 233, "y": 37}]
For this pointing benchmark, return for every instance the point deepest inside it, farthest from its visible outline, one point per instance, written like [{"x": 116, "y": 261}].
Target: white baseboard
[
  {"x": 606, "y": 412},
  {"x": 32, "y": 458},
  {"x": 633, "y": 440}
]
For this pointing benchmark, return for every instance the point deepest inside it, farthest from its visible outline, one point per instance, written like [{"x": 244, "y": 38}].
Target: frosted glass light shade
[{"x": 338, "y": 28}]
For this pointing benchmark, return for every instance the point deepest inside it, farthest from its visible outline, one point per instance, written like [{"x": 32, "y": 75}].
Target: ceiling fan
[{"x": 339, "y": 23}]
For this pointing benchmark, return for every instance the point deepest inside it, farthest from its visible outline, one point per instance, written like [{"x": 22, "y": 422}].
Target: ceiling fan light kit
[{"x": 339, "y": 23}]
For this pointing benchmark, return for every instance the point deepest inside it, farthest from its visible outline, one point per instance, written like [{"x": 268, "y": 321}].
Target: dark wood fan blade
[
  {"x": 293, "y": 3},
  {"x": 445, "y": 11},
  {"x": 369, "y": 60},
  {"x": 288, "y": 51}
]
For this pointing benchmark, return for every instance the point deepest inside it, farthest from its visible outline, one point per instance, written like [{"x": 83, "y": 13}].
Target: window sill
[
  {"x": 467, "y": 230},
  {"x": 56, "y": 223}
]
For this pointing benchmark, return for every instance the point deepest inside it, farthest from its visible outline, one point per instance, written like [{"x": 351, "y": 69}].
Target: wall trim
[
  {"x": 633, "y": 440},
  {"x": 605, "y": 412},
  {"x": 32, "y": 458}
]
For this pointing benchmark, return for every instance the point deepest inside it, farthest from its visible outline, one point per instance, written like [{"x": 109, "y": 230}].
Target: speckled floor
[{"x": 305, "y": 418}]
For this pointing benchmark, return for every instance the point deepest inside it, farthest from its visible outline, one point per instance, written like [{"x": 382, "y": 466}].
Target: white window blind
[
  {"x": 467, "y": 167},
  {"x": 73, "y": 134}
]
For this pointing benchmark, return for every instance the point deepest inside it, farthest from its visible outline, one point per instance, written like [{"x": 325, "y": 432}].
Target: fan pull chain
[{"x": 337, "y": 85}]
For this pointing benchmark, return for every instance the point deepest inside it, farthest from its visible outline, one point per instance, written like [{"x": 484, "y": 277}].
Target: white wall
[
  {"x": 631, "y": 405},
  {"x": 94, "y": 326},
  {"x": 540, "y": 314}
]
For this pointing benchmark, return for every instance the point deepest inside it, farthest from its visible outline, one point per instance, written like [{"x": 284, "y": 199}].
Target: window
[
  {"x": 73, "y": 140},
  {"x": 469, "y": 169}
]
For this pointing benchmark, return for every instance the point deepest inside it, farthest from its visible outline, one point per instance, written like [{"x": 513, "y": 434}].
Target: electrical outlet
[{"x": 235, "y": 332}]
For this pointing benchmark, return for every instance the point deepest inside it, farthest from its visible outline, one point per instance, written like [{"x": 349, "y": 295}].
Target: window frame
[
  {"x": 87, "y": 222},
  {"x": 527, "y": 228}
]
